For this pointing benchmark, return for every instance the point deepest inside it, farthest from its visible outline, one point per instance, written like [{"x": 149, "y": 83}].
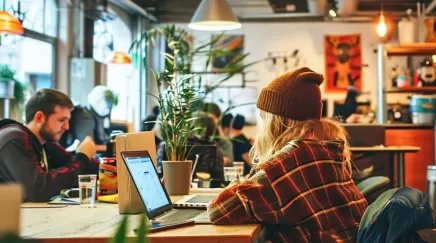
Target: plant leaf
[
  {"x": 121, "y": 233},
  {"x": 142, "y": 230}
]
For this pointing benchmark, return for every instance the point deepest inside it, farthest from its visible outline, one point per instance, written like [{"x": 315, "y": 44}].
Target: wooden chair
[{"x": 10, "y": 206}]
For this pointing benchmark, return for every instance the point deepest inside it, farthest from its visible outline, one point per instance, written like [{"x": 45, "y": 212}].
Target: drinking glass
[
  {"x": 240, "y": 168},
  {"x": 87, "y": 189},
  {"x": 230, "y": 173}
]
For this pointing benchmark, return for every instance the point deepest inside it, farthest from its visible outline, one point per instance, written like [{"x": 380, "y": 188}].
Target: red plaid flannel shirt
[{"x": 304, "y": 193}]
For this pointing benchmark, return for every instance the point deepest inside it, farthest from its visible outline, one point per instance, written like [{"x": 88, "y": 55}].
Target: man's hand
[{"x": 87, "y": 147}]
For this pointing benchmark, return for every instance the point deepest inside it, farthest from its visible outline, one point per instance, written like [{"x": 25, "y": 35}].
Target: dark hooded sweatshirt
[{"x": 22, "y": 161}]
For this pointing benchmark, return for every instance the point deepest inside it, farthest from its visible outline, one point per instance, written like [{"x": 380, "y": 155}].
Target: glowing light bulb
[
  {"x": 332, "y": 13},
  {"x": 381, "y": 27}
]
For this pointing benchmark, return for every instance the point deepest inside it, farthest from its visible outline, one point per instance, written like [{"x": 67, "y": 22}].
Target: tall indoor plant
[
  {"x": 183, "y": 96},
  {"x": 176, "y": 123},
  {"x": 176, "y": 104}
]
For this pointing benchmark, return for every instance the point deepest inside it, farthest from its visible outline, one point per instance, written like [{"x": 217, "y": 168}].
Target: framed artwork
[
  {"x": 229, "y": 43},
  {"x": 343, "y": 62}
]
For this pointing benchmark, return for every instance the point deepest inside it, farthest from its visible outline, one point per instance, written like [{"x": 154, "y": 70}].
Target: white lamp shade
[{"x": 214, "y": 15}]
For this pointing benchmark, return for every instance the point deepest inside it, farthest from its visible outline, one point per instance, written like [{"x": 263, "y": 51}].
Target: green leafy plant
[
  {"x": 112, "y": 96},
  {"x": 121, "y": 235},
  {"x": 176, "y": 105},
  {"x": 185, "y": 93},
  {"x": 6, "y": 75},
  {"x": 184, "y": 54},
  {"x": 13, "y": 238}
]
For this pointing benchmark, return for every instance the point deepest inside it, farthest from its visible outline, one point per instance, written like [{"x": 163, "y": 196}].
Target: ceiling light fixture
[
  {"x": 214, "y": 15},
  {"x": 9, "y": 24},
  {"x": 381, "y": 27},
  {"x": 120, "y": 57}
]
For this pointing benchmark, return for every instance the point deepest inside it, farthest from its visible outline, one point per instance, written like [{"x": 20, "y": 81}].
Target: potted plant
[
  {"x": 177, "y": 106},
  {"x": 9, "y": 86},
  {"x": 183, "y": 96}
]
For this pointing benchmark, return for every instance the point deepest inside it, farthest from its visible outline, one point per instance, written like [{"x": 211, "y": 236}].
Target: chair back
[
  {"x": 10, "y": 205},
  {"x": 372, "y": 187}
]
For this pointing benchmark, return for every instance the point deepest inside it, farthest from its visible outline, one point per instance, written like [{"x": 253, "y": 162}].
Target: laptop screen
[{"x": 147, "y": 182}]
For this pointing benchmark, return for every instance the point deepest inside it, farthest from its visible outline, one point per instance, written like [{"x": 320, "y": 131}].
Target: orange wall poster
[{"x": 343, "y": 62}]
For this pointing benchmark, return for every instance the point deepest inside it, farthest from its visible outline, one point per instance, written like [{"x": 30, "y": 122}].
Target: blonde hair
[{"x": 278, "y": 131}]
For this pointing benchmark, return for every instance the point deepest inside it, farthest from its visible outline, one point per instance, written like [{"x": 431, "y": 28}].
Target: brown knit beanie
[{"x": 294, "y": 95}]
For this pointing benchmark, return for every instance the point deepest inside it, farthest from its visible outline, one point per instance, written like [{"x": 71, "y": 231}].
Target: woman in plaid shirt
[{"x": 300, "y": 187}]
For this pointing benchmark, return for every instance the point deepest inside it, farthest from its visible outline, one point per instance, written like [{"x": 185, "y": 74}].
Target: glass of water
[
  {"x": 240, "y": 168},
  {"x": 87, "y": 190},
  {"x": 230, "y": 173}
]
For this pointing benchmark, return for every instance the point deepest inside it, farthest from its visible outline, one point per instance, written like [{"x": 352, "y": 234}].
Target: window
[
  {"x": 31, "y": 56},
  {"x": 103, "y": 40},
  {"x": 115, "y": 35},
  {"x": 37, "y": 15},
  {"x": 31, "y": 59}
]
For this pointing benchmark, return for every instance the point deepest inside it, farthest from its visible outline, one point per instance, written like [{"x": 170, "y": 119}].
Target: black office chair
[{"x": 373, "y": 187}]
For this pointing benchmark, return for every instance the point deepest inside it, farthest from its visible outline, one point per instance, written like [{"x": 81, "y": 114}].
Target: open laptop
[{"x": 154, "y": 195}]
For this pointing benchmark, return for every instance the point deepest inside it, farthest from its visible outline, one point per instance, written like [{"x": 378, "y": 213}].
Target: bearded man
[{"x": 30, "y": 154}]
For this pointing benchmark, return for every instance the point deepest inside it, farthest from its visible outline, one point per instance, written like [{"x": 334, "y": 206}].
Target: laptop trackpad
[{"x": 202, "y": 218}]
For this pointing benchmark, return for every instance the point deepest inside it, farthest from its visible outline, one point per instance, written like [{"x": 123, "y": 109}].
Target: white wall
[{"x": 261, "y": 38}]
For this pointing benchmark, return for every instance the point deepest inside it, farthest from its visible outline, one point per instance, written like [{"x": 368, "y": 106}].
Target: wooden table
[
  {"x": 76, "y": 224},
  {"x": 396, "y": 158}
]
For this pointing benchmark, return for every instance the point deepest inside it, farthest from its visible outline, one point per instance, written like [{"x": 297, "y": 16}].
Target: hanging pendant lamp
[
  {"x": 9, "y": 24},
  {"x": 120, "y": 57},
  {"x": 381, "y": 27},
  {"x": 214, "y": 15}
]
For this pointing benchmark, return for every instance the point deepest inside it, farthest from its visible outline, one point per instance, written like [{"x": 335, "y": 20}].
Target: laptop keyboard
[{"x": 181, "y": 214}]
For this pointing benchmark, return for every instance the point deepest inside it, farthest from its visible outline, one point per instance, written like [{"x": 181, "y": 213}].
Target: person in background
[
  {"x": 349, "y": 112},
  {"x": 350, "y": 104},
  {"x": 92, "y": 120},
  {"x": 224, "y": 142},
  {"x": 225, "y": 124},
  {"x": 241, "y": 144},
  {"x": 30, "y": 154},
  {"x": 216, "y": 169},
  {"x": 300, "y": 187},
  {"x": 149, "y": 123},
  {"x": 100, "y": 102}
]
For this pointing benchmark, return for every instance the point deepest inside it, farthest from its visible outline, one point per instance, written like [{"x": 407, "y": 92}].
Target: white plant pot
[
  {"x": 177, "y": 176},
  {"x": 7, "y": 89}
]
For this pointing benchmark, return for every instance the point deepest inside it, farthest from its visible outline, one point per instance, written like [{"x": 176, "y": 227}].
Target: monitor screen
[{"x": 147, "y": 182}]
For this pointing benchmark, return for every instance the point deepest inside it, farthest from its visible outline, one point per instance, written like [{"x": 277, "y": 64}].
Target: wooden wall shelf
[
  {"x": 421, "y": 49},
  {"x": 422, "y": 90}
]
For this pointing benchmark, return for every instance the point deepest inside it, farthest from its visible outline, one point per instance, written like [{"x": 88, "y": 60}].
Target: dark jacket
[
  {"x": 396, "y": 216},
  {"x": 82, "y": 124},
  {"x": 21, "y": 160}
]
